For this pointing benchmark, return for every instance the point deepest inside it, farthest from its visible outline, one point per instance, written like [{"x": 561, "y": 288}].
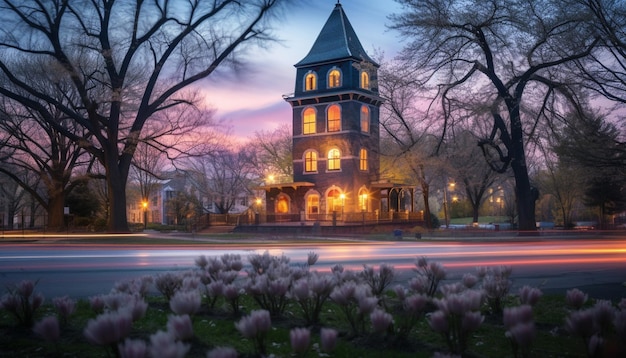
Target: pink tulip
[
  {"x": 180, "y": 327},
  {"x": 438, "y": 321},
  {"x": 163, "y": 344},
  {"x": 529, "y": 295},
  {"x": 108, "y": 328},
  {"x": 48, "y": 329},
  {"x": 300, "y": 339},
  {"x": 133, "y": 348},
  {"x": 186, "y": 302},
  {"x": 222, "y": 352},
  {"x": 575, "y": 298},
  {"x": 380, "y": 320},
  {"x": 328, "y": 339}
]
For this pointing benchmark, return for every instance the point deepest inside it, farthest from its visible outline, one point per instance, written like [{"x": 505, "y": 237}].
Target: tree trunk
[
  {"x": 475, "y": 212},
  {"x": 425, "y": 194},
  {"x": 116, "y": 186},
  {"x": 525, "y": 194},
  {"x": 427, "y": 218},
  {"x": 56, "y": 215}
]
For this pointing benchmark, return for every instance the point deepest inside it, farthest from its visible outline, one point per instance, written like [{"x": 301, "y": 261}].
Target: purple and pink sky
[{"x": 253, "y": 101}]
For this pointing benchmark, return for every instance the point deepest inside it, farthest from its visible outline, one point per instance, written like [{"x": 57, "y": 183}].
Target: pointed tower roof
[{"x": 336, "y": 41}]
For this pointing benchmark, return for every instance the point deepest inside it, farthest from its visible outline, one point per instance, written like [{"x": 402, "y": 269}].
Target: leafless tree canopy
[
  {"x": 510, "y": 62},
  {"x": 120, "y": 63}
]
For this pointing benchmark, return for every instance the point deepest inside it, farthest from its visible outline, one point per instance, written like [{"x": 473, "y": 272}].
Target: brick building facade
[{"x": 336, "y": 137}]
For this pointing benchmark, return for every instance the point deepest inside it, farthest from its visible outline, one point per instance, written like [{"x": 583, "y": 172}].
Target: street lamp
[
  {"x": 446, "y": 214},
  {"x": 144, "y": 204},
  {"x": 342, "y": 196}
]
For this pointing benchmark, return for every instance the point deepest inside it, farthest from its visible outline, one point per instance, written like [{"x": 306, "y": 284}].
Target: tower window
[
  {"x": 365, "y": 119},
  {"x": 310, "y": 161},
  {"x": 334, "y": 78},
  {"x": 334, "y": 118},
  {"x": 363, "y": 159},
  {"x": 334, "y": 159},
  {"x": 309, "y": 121},
  {"x": 365, "y": 80},
  {"x": 310, "y": 81}
]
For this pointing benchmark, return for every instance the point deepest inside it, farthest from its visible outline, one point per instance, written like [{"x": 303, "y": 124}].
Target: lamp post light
[
  {"x": 446, "y": 206},
  {"x": 343, "y": 203},
  {"x": 363, "y": 207},
  {"x": 144, "y": 204}
]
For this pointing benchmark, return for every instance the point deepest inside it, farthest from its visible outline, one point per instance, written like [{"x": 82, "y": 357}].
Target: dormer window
[
  {"x": 310, "y": 81},
  {"x": 365, "y": 80},
  {"x": 334, "y": 78},
  {"x": 334, "y": 118},
  {"x": 309, "y": 121}
]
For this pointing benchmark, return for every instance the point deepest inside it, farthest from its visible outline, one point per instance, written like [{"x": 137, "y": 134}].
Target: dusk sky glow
[{"x": 252, "y": 101}]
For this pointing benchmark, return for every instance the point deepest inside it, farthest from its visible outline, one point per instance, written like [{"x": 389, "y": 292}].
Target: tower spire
[{"x": 336, "y": 42}]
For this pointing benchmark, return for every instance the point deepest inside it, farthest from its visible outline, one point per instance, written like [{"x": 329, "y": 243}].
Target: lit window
[
  {"x": 312, "y": 206},
  {"x": 363, "y": 159},
  {"x": 282, "y": 205},
  {"x": 334, "y": 159},
  {"x": 363, "y": 200},
  {"x": 310, "y": 82},
  {"x": 334, "y": 78},
  {"x": 334, "y": 118},
  {"x": 365, "y": 80},
  {"x": 310, "y": 161},
  {"x": 308, "y": 125},
  {"x": 336, "y": 200},
  {"x": 365, "y": 119}
]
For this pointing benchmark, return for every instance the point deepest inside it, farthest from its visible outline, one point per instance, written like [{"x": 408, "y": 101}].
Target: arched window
[
  {"x": 363, "y": 159},
  {"x": 310, "y": 161},
  {"x": 365, "y": 80},
  {"x": 309, "y": 121},
  {"x": 365, "y": 119},
  {"x": 334, "y": 118},
  {"x": 282, "y": 205},
  {"x": 335, "y": 201},
  {"x": 312, "y": 206},
  {"x": 334, "y": 159},
  {"x": 363, "y": 200},
  {"x": 334, "y": 78},
  {"x": 310, "y": 81}
]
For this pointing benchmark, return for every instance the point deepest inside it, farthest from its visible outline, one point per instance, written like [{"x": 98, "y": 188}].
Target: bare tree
[
  {"x": 410, "y": 131},
  {"x": 504, "y": 55},
  {"x": 563, "y": 184},
  {"x": 273, "y": 154},
  {"x": 32, "y": 145},
  {"x": 604, "y": 71},
  {"x": 223, "y": 177},
  {"x": 13, "y": 202},
  {"x": 471, "y": 170},
  {"x": 126, "y": 61}
]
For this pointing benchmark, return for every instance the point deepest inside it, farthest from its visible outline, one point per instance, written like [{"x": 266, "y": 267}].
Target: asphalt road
[{"x": 597, "y": 266}]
